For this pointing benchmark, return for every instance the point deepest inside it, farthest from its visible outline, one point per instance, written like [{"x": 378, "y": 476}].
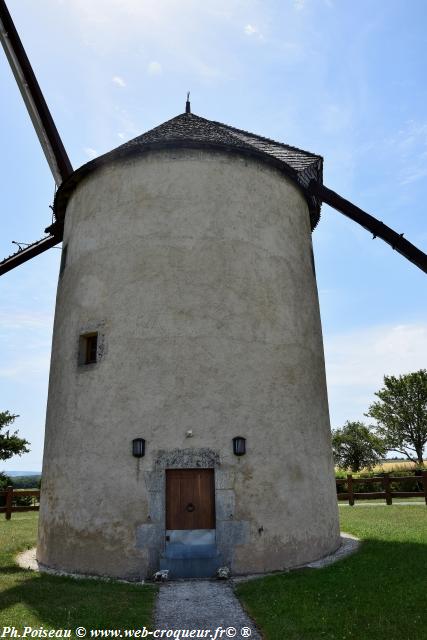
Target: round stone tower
[{"x": 187, "y": 422}]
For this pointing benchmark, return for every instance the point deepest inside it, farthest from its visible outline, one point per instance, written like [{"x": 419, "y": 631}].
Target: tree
[
  {"x": 355, "y": 447},
  {"x": 401, "y": 414},
  {"x": 4, "y": 482},
  {"x": 10, "y": 444}
]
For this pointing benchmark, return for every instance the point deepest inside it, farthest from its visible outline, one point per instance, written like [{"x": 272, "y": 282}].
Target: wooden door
[{"x": 190, "y": 499}]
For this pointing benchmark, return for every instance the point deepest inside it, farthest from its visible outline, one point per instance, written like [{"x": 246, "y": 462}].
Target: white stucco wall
[{"x": 195, "y": 268}]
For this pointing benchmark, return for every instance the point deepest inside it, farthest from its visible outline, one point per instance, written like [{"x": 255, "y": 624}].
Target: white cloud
[
  {"x": 180, "y": 34},
  {"x": 409, "y": 145},
  {"x": 412, "y": 174},
  {"x": 250, "y": 30},
  {"x": 299, "y": 5},
  {"x": 253, "y": 31},
  {"x": 206, "y": 71},
  {"x": 32, "y": 329},
  {"x": 118, "y": 80},
  {"x": 356, "y": 362},
  {"x": 154, "y": 68},
  {"x": 335, "y": 118},
  {"x": 363, "y": 356},
  {"x": 126, "y": 124},
  {"x": 26, "y": 368},
  {"x": 24, "y": 320},
  {"x": 91, "y": 153}
]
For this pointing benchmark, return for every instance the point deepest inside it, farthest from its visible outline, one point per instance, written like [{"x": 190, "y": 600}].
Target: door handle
[{"x": 190, "y": 507}]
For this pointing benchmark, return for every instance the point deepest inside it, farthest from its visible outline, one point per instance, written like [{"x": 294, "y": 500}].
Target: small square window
[{"x": 88, "y": 348}]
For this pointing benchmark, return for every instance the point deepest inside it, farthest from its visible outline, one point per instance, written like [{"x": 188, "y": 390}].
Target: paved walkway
[{"x": 203, "y": 604}]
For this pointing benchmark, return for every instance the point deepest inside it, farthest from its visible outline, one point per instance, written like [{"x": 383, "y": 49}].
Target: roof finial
[{"x": 187, "y": 104}]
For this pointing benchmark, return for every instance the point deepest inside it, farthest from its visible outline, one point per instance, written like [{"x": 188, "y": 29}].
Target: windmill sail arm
[
  {"x": 37, "y": 108},
  {"x": 29, "y": 252},
  {"x": 371, "y": 224}
]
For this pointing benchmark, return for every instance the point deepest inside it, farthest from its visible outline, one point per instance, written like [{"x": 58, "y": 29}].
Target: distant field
[
  {"x": 397, "y": 465},
  {"x": 393, "y": 465}
]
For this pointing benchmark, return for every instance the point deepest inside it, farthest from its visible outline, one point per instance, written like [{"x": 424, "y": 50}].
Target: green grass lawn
[
  {"x": 380, "y": 593},
  {"x": 420, "y": 500},
  {"x": 31, "y": 599}
]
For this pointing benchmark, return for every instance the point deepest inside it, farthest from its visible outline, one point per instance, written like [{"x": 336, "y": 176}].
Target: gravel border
[
  {"x": 27, "y": 560},
  {"x": 349, "y": 545}
]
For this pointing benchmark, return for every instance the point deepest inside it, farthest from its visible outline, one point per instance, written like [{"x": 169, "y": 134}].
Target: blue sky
[{"x": 340, "y": 78}]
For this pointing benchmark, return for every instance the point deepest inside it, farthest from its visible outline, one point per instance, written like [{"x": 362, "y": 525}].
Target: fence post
[
  {"x": 425, "y": 485},
  {"x": 350, "y": 490},
  {"x": 386, "y": 485},
  {"x": 9, "y": 496}
]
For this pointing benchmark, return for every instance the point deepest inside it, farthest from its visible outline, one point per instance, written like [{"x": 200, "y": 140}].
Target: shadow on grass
[
  {"x": 380, "y": 592},
  {"x": 67, "y": 603},
  {"x": 10, "y": 569}
]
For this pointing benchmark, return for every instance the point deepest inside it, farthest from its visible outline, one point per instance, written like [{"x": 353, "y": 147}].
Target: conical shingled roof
[{"x": 190, "y": 130}]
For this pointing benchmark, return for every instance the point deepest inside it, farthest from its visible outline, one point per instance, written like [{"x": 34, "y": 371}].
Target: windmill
[{"x": 187, "y": 350}]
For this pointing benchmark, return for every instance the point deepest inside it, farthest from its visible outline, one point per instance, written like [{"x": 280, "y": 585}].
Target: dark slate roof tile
[{"x": 190, "y": 129}]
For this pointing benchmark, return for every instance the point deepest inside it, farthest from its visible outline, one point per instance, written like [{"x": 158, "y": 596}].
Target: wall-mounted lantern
[
  {"x": 239, "y": 446},
  {"x": 138, "y": 447}
]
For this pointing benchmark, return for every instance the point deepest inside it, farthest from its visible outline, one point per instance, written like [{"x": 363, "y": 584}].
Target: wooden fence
[
  {"x": 12, "y": 495},
  {"x": 385, "y": 481}
]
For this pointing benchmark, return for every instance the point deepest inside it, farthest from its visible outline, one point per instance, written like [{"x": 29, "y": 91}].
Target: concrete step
[
  {"x": 191, "y": 567},
  {"x": 178, "y": 550}
]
